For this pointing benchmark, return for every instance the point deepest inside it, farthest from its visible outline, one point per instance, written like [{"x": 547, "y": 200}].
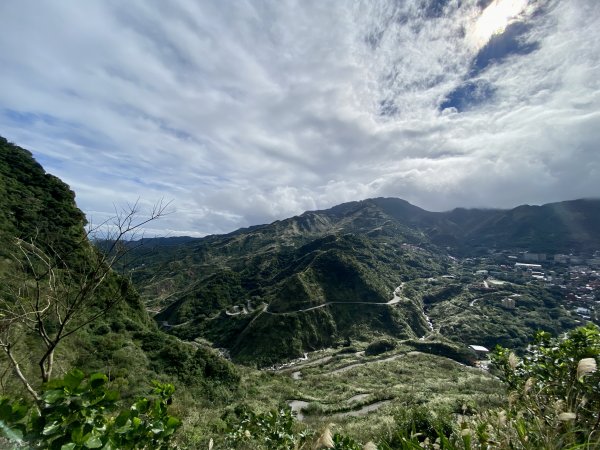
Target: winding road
[{"x": 393, "y": 301}]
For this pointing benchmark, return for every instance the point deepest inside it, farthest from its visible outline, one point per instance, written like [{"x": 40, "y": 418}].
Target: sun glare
[{"x": 494, "y": 19}]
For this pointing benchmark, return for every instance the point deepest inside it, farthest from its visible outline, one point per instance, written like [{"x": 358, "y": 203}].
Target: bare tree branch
[{"x": 55, "y": 298}]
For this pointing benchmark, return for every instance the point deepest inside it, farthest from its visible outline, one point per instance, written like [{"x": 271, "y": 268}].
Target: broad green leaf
[
  {"x": 73, "y": 379},
  {"x": 93, "y": 442},
  {"x": 97, "y": 380},
  {"x": 122, "y": 418},
  {"x": 77, "y": 435},
  {"x": 51, "y": 429},
  {"x": 54, "y": 395}
]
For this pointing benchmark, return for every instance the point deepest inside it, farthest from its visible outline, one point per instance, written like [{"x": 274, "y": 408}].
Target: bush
[
  {"x": 79, "y": 412},
  {"x": 380, "y": 346},
  {"x": 556, "y": 386}
]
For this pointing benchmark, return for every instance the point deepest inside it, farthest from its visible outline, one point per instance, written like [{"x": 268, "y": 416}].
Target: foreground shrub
[
  {"x": 79, "y": 412},
  {"x": 555, "y": 389}
]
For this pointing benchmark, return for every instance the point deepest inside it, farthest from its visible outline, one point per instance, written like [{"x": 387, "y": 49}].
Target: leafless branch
[{"x": 54, "y": 300}]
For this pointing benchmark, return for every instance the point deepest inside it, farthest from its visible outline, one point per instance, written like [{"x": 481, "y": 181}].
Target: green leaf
[
  {"x": 93, "y": 442},
  {"x": 141, "y": 405},
  {"x": 111, "y": 396},
  {"x": 97, "y": 380},
  {"x": 51, "y": 429},
  {"x": 19, "y": 411},
  {"x": 136, "y": 422},
  {"x": 53, "y": 396},
  {"x": 122, "y": 418},
  {"x": 173, "y": 422},
  {"x": 13, "y": 434},
  {"x": 77, "y": 435},
  {"x": 69, "y": 446},
  {"x": 109, "y": 446},
  {"x": 73, "y": 379}
]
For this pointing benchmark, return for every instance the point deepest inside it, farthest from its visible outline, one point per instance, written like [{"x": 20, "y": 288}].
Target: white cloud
[{"x": 247, "y": 112}]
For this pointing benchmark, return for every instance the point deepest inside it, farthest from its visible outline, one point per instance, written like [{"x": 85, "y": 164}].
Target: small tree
[{"x": 53, "y": 295}]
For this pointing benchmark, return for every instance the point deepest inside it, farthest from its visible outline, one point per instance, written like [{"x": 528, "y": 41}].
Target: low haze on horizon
[{"x": 246, "y": 112}]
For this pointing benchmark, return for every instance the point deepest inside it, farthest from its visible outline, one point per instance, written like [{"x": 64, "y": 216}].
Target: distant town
[{"x": 577, "y": 277}]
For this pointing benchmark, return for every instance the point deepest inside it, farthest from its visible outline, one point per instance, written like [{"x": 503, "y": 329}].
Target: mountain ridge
[
  {"x": 569, "y": 224},
  {"x": 314, "y": 280}
]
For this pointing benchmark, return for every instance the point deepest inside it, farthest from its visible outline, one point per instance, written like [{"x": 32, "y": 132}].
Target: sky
[{"x": 246, "y": 112}]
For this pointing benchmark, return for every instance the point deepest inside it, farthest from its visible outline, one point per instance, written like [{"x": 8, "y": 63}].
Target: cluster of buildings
[{"x": 576, "y": 276}]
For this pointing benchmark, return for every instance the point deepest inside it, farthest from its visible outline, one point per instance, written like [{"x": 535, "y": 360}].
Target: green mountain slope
[
  {"x": 553, "y": 228},
  {"x": 39, "y": 209},
  {"x": 34, "y": 204},
  {"x": 329, "y": 290},
  {"x": 274, "y": 291}
]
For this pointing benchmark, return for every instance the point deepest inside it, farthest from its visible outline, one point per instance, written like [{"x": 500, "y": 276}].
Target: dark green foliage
[
  {"x": 448, "y": 349},
  {"x": 558, "y": 371},
  {"x": 380, "y": 346},
  {"x": 192, "y": 365},
  {"x": 342, "y": 442},
  {"x": 446, "y": 293},
  {"x": 79, "y": 412},
  {"x": 348, "y": 276},
  {"x": 36, "y": 205},
  {"x": 418, "y": 425},
  {"x": 274, "y": 430},
  {"x": 478, "y": 317}
]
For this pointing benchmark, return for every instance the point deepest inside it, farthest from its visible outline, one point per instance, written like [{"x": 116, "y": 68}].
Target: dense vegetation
[
  {"x": 63, "y": 307},
  {"x": 34, "y": 204},
  {"x": 346, "y": 279},
  {"x": 321, "y": 278},
  {"x": 364, "y": 282}
]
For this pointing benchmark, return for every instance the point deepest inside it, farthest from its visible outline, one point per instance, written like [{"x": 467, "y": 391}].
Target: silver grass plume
[
  {"x": 585, "y": 367},
  {"x": 326, "y": 438}
]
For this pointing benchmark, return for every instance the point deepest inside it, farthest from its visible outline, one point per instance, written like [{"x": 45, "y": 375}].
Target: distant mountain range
[
  {"x": 273, "y": 291},
  {"x": 562, "y": 227}
]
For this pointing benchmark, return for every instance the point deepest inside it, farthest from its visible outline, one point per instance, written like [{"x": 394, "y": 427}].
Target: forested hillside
[
  {"x": 64, "y": 308},
  {"x": 355, "y": 271},
  {"x": 380, "y": 315}
]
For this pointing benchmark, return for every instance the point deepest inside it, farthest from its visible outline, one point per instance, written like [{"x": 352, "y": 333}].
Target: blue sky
[{"x": 250, "y": 111}]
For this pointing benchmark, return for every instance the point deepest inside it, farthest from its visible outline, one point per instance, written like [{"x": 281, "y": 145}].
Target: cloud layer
[{"x": 247, "y": 112}]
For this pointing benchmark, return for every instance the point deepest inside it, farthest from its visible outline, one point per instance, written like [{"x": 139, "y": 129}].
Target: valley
[{"x": 373, "y": 315}]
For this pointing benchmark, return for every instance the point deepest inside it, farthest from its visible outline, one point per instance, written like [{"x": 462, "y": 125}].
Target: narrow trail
[
  {"x": 364, "y": 363},
  {"x": 298, "y": 366},
  {"x": 298, "y": 405},
  {"x": 362, "y": 411}
]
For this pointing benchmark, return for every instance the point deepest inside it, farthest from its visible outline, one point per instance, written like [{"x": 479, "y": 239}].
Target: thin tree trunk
[
  {"x": 47, "y": 364},
  {"x": 20, "y": 375}
]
